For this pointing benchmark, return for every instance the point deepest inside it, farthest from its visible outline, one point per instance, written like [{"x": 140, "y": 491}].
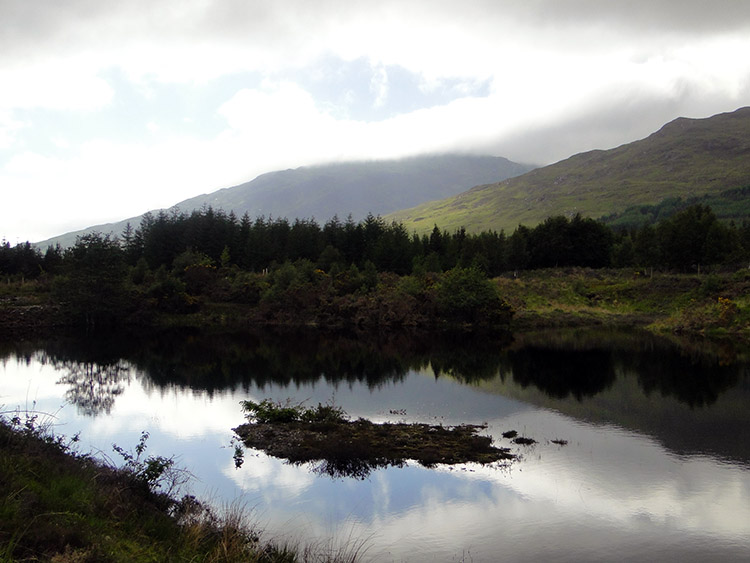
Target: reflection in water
[
  {"x": 645, "y": 472},
  {"x": 562, "y": 363},
  {"x": 693, "y": 380},
  {"x": 351, "y": 467},
  {"x": 92, "y": 387},
  {"x": 631, "y": 379},
  {"x": 561, "y": 372},
  {"x": 92, "y": 370},
  {"x": 585, "y": 363},
  {"x": 607, "y": 494}
]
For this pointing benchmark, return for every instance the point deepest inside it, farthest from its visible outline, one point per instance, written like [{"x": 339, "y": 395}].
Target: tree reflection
[
  {"x": 584, "y": 363},
  {"x": 470, "y": 359},
  {"x": 353, "y": 468},
  {"x": 217, "y": 362},
  {"x": 560, "y": 373},
  {"x": 689, "y": 379},
  {"x": 93, "y": 387},
  {"x": 560, "y": 363}
]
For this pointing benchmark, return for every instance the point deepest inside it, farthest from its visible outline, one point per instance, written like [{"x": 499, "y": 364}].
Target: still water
[{"x": 656, "y": 465}]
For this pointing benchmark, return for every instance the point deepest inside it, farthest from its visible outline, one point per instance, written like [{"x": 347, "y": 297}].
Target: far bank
[{"x": 713, "y": 304}]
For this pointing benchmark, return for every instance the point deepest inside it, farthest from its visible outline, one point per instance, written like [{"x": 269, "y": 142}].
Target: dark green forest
[
  {"x": 685, "y": 240},
  {"x": 728, "y": 205},
  {"x": 367, "y": 272}
]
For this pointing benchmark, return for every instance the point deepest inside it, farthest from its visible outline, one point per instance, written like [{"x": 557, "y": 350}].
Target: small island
[{"x": 353, "y": 448}]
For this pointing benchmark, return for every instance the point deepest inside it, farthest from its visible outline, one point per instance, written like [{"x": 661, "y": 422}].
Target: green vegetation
[
  {"x": 686, "y": 158},
  {"x": 464, "y": 295},
  {"x": 268, "y": 411},
  {"x": 61, "y": 506},
  {"x": 266, "y": 272},
  {"x": 348, "y": 448},
  {"x": 713, "y": 304},
  {"x": 92, "y": 285},
  {"x": 211, "y": 268},
  {"x": 729, "y": 205}
]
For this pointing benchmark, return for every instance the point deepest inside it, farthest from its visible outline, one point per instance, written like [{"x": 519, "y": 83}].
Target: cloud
[
  {"x": 183, "y": 40},
  {"x": 71, "y": 86},
  {"x": 8, "y": 128},
  {"x": 289, "y": 83},
  {"x": 689, "y": 17},
  {"x": 280, "y": 119},
  {"x": 379, "y": 86},
  {"x": 102, "y": 182}
]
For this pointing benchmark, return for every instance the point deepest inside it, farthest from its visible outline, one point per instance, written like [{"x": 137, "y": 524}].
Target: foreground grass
[{"x": 60, "y": 506}]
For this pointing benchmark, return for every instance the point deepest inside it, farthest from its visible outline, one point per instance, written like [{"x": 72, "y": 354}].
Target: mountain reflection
[{"x": 561, "y": 364}]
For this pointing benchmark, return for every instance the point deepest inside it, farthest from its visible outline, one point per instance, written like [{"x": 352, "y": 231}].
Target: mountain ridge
[
  {"x": 323, "y": 191},
  {"x": 684, "y": 158}
]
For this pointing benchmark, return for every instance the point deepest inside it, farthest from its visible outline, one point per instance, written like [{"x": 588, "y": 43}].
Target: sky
[{"x": 110, "y": 109}]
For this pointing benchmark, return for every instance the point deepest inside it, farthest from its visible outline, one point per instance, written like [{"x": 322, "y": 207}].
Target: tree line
[{"x": 687, "y": 241}]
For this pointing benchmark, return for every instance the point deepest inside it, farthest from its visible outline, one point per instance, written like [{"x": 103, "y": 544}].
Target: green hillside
[{"x": 686, "y": 158}]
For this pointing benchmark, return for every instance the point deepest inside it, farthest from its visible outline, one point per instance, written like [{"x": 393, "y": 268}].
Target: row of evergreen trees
[{"x": 689, "y": 240}]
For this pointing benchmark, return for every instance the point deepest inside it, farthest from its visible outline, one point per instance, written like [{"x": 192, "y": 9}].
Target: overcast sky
[{"x": 109, "y": 109}]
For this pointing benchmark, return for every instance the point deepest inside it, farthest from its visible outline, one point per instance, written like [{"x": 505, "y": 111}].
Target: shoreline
[
  {"x": 62, "y": 505},
  {"x": 704, "y": 305}
]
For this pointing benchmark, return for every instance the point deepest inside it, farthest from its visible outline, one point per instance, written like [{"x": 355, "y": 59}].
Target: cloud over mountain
[{"x": 124, "y": 106}]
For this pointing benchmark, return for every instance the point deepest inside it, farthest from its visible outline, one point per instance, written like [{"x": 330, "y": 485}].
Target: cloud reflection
[
  {"x": 606, "y": 479},
  {"x": 610, "y": 491}
]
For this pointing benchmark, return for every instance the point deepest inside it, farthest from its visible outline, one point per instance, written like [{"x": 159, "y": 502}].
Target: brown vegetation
[{"x": 353, "y": 448}]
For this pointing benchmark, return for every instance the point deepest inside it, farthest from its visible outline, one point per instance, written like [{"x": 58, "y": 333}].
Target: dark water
[{"x": 656, "y": 466}]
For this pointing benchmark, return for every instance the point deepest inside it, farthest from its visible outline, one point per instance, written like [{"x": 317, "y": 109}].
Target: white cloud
[
  {"x": 272, "y": 478},
  {"x": 272, "y": 109},
  {"x": 562, "y": 78},
  {"x": 104, "y": 181},
  {"x": 379, "y": 86},
  {"x": 281, "y": 119},
  {"x": 70, "y": 85},
  {"x": 8, "y": 129}
]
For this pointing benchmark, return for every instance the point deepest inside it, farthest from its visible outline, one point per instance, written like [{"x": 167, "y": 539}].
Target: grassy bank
[
  {"x": 58, "y": 505},
  {"x": 708, "y": 304}
]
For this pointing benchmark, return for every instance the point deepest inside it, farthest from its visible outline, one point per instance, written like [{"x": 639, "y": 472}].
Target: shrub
[
  {"x": 465, "y": 295},
  {"x": 268, "y": 411},
  {"x": 153, "y": 471},
  {"x": 169, "y": 294}
]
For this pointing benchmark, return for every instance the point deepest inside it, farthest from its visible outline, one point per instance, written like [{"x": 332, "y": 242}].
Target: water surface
[{"x": 656, "y": 466}]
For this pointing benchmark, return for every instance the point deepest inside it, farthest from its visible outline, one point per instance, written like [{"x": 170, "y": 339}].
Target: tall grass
[{"x": 60, "y": 505}]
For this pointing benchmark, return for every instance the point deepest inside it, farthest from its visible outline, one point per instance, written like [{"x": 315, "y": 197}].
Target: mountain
[
  {"x": 351, "y": 188},
  {"x": 685, "y": 158}
]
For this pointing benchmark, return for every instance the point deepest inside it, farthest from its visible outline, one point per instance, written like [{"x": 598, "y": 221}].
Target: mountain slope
[
  {"x": 352, "y": 188},
  {"x": 357, "y": 188},
  {"x": 685, "y": 158}
]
